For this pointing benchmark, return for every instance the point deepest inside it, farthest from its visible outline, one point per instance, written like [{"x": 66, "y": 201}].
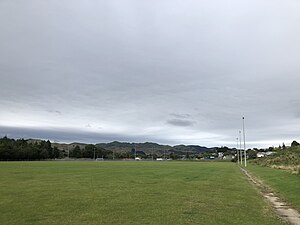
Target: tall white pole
[
  {"x": 244, "y": 137},
  {"x": 237, "y": 150},
  {"x": 241, "y": 154},
  {"x": 152, "y": 153}
]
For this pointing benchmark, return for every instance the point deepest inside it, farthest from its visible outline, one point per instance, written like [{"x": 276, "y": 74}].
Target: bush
[{"x": 288, "y": 159}]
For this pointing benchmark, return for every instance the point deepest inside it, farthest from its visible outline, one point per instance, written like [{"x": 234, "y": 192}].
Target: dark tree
[
  {"x": 21, "y": 149},
  {"x": 294, "y": 144},
  {"x": 251, "y": 154},
  {"x": 89, "y": 151},
  {"x": 76, "y": 152},
  {"x": 56, "y": 153}
]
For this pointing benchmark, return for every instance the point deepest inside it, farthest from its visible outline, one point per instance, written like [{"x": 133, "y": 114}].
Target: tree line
[
  {"x": 11, "y": 149},
  {"x": 14, "y": 150},
  {"x": 24, "y": 150},
  {"x": 20, "y": 149},
  {"x": 90, "y": 151}
]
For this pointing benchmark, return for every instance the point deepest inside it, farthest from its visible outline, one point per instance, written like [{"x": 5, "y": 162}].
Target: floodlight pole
[
  {"x": 244, "y": 137},
  {"x": 152, "y": 153},
  {"x": 237, "y": 150},
  {"x": 241, "y": 154}
]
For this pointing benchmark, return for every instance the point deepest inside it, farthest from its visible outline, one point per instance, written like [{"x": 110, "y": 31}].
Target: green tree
[
  {"x": 56, "y": 153},
  {"x": 294, "y": 144},
  {"x": 76, "y": 152},
  {"x": 251, "y": 154},
  {"x": 21, "y": 149},
  {"x": 89, "y": 151}
]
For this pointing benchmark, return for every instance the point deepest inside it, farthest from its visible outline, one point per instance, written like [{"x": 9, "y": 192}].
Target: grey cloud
[
  {"x": 180, "y": 116},
  {"x": 181, "y": 122},
  {"x": 71, "y": 135},
  {"x": 55, "y": 112},
  {"x": 60, "y": 135}
]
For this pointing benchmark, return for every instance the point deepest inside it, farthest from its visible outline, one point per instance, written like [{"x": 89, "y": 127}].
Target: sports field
[{"x": 78, "y": 193}]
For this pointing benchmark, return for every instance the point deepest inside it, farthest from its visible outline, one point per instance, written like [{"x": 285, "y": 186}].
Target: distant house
[
  {"x": 220, "y": 155},
  {"x": 228, "y": 157},
  {"x": 263, "y": 154},
  {"x": 260, "y": 155}
]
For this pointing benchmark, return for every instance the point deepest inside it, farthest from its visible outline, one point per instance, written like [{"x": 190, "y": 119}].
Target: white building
[{"x": 260, "y": 154}]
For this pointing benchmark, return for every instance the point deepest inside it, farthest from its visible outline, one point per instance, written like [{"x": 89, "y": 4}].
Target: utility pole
[
  {"x": 244, "y": 137},
  {"x": 134, "y": 151}
]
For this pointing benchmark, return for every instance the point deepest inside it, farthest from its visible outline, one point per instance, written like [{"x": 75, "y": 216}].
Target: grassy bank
[
  {"x": 77, "y": 193},
  {"x": 286, "y": 159},
  {"x": 282, "y": 182}
]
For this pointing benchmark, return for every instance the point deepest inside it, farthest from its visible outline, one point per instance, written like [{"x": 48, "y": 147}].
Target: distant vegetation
[
  {"x": 283, "y": 157},
  {"x": 31, "y": 149},
  {"x": 15, "y": 150},
  {"x": 21, "y": 149}
]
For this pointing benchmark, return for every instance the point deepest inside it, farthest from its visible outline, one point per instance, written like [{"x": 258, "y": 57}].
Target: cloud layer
[{"x": 167, "y": 71}]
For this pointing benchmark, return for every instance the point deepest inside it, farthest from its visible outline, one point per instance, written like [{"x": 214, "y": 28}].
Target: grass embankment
[
  {"x": 77, "y": 193},
  {"x": 285, "y": 184},
  {"x": 287, "y": 159}
]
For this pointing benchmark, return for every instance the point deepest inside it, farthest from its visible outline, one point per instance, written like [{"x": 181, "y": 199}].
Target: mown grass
[
  {"x": 284, "y": 183},
  {"x": 77, "y": 193}
]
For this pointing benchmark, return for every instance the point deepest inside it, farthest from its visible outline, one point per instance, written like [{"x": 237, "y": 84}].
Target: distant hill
[
  {"x": 147, "y": 147},
  {"x": 66, "y": 147},
  {"x": 191, "y": 148},
  {"x": 150, "y": 147}
]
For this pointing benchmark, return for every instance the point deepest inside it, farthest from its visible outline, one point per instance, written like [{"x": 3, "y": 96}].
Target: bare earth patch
[{"x": 282, "y": 209}]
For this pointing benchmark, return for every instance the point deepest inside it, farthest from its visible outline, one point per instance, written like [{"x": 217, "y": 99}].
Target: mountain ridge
[{"x": 146, "y": 147}]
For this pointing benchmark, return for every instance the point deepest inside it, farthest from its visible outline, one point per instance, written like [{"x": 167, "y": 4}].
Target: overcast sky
[{"x": 166, "y": 71}]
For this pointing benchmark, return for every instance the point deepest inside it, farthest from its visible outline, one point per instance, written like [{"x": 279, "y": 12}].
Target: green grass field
[
  {"x": 62, "y": 193},
  {"x": 285, "y": 184}
]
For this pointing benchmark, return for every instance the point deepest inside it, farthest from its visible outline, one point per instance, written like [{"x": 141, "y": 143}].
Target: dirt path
[{"x": 282, "y": 209}]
